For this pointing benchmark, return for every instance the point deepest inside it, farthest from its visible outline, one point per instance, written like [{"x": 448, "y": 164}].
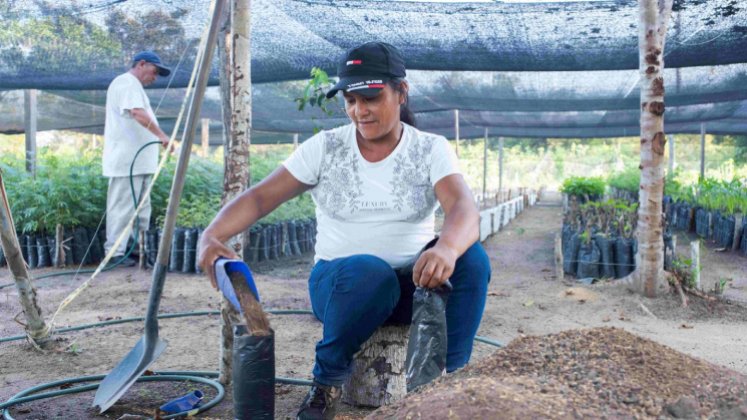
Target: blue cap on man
[{"x": 153, "y": 58}]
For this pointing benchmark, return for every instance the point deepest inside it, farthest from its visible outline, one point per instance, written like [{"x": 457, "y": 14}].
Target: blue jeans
[{"x": 353, "y": 296}]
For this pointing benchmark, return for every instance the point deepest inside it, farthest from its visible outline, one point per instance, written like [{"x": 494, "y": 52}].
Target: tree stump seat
[{"x": 378, "y": 373}]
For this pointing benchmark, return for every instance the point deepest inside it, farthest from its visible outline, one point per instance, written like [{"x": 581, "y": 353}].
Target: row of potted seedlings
[
  {"x": 597, "y": 240},
  {"x": 86, "y": 245},
  {"x": 714, "y": 210}
]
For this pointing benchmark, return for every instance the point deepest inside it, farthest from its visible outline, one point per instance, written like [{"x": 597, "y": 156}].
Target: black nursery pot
[
  {"x": 624, "y": 257},
  {"x": 190, "y": 251},
  {"x": 570, "y": 255},
  {"x": 31, "y": 251},
  {"x": 253, "y": 375},
  {"x": 607, "y": 260},
  {"x": 176, "y": 259},
  {"x": 42, "y": 251}
]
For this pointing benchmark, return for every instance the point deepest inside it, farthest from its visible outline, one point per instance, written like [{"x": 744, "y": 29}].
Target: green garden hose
[{"x": 199, "y": 376}]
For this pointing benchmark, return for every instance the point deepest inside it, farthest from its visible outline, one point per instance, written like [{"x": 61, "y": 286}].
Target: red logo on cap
[{"x": 354, "y": 62}]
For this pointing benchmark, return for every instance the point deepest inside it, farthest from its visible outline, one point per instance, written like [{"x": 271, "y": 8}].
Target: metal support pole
[
  {"x": 671, "y": 155},
  {"x": 485, "y": 165},
  {"x": 500, "y": 165},
  {"x": 702, "y": 150},
  {"x": 29, "y": 123},
  {"x": 456, "y": 130},
  {"x": 295, "y": 141}
]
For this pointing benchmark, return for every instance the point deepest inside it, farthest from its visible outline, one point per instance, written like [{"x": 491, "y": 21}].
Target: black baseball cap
[
  {"x": 153, "y": 58},
  {"x": 367, "y": 68}
]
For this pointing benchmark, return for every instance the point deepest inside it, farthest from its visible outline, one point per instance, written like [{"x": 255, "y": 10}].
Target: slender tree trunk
[
  {"x": 236, "y": 167},
  {"x": 36, "y": 329},
  {"x": 649, "y": 276}
]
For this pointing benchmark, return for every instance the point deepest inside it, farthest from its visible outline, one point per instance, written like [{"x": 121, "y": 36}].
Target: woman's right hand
[{"x": 210, "y": 249}]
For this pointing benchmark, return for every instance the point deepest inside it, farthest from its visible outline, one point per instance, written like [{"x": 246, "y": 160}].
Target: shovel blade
[{"x": 119, "y": 380}]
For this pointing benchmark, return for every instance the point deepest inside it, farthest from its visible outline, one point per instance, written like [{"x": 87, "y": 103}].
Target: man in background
[{"x": 130, "y": 124}]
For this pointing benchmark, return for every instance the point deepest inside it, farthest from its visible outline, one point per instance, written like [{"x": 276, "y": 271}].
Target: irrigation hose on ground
[
  {"x": 196, "y": 376},
  {"x": 135, "y": 228}
]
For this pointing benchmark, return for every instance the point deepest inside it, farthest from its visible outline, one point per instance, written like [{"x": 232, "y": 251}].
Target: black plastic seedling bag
[
  {"x": 570, "y": 255},
  {"x": 96, "y": 253},
  {"x": 31, "y": 251},
  {"x": 701, "y": 223},
  {"x": 588, "y": 261},
  {"x": 624, "y": 257},
  {"x": 151, "y": 245},
  {"x": 725, "y": 235},
  {"x": 176, "y": 259},
  {"x": 607, "y": 261},
  {"x": 426, "y": 349},
  {"x": 190, "y": 245},
  {"x": 253, "y": 375},
  {"x": 42, "y": 252},
  {"x": 80, "y": 246}
]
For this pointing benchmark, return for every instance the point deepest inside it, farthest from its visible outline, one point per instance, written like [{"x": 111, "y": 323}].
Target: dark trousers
[{"x": 355, "y": 295}]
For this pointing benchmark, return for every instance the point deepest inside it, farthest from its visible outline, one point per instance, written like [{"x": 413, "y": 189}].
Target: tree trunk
[
  {"x": 236, "y": 167},
  {"x": 649, "y": 276},
  {"x": 378, "y": 374},
  {"x": 36, "y": 329}
]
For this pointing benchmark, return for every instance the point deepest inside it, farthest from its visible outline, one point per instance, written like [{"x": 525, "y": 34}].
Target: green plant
[
  {"x": 315, "y": 94},
  {"x": 74, "y": 349},
  {"x": 627, "y": 180},
  {"x": 720, "y": 285},
  {"x": 583, "y": 186},
  {"x": 682, "y": 269}
]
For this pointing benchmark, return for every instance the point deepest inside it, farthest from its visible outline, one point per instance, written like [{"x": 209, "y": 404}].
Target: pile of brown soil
[{"x": 601, "y": 372}]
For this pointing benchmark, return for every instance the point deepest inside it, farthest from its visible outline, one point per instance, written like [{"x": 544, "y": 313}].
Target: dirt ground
[{"x": 524, "y": 299}]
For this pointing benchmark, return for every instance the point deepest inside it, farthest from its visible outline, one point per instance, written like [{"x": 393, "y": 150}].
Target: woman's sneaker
[{"x": 320, "y": 403}]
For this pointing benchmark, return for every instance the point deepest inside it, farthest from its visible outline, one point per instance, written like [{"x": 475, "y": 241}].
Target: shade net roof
[{"x": 566, "y": 69}]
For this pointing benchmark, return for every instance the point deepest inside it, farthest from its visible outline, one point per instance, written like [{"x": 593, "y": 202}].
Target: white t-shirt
[
  {"x": 123, "y": 135},
  {"x": 383, "y": 208}
]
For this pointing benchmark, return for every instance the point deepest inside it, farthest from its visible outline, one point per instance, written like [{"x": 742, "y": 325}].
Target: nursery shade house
[{"x": 529, "y": 69}]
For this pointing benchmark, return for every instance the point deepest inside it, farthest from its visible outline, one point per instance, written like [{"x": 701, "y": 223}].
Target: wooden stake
[
  {"x": 36, "y": 329},
  {"x": 558, "y": 257},
  {"x": 141, "y": 245},
  {"x": 695, "y": 262},
  {"x": 59, "y": 246}
]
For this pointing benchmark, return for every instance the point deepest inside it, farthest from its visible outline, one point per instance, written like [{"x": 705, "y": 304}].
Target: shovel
[{"x": 150, "y": 346}]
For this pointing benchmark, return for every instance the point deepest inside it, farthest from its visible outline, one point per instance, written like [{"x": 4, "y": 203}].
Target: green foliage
[
  {"x": 682, "y": 269},
  {"x": 606, "y": 216},
  {"x": 67, "y": 190},
  {"x": 726, "y": 197},
  {"x": 315, "y": 94},
  {"x": 583, "y": 186},
  {"x": 627, "y": 180}
]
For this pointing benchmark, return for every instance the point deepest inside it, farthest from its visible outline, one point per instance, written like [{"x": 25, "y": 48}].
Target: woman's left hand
[{"x": 434, "y": 266}]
